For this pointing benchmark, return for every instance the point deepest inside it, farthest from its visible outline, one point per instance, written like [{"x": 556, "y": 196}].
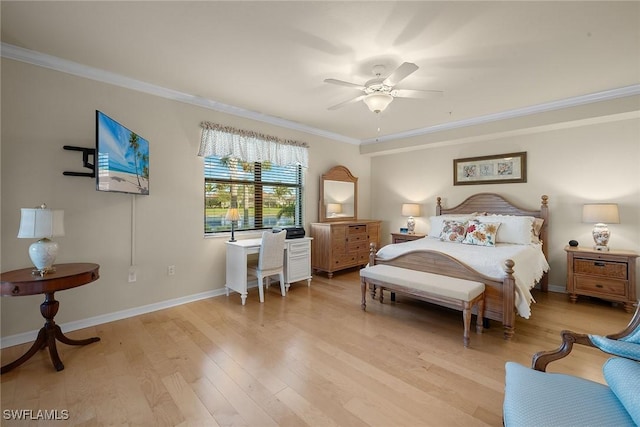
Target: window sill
[{"x": 251, "y": 234}]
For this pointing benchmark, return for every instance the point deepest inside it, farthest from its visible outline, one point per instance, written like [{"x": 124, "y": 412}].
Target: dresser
[
  {"x": 342, "y": 244},
  {"x": 607, "y": 275}
]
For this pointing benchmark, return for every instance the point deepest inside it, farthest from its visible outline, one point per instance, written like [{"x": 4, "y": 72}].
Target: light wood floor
[{"x": 313, "y": 358}]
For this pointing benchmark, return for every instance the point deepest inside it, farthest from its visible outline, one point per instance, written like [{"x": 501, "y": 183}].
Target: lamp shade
[
  {"x": 378, "y": 101},
  {"x": 410, "y": 209},
  {"x": 606, "y": 213},
  {"x": 233, "y": 214},
  {"x": 37, "y": 223}
]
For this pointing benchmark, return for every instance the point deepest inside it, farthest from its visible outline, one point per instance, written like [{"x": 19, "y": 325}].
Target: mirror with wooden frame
[{"x": 338, "y": 195}]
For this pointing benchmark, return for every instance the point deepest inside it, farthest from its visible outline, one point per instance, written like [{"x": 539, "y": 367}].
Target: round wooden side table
[{"x": 24, "y": 282}]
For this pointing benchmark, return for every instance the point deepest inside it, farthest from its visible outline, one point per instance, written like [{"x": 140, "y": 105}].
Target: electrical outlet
[
  {"x": 132, "y": 274},
  {"x": 171, "y": 270}
]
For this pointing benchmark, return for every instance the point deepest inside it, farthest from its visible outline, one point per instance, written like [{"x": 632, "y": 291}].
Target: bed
[{"x": 506, "y": 286}]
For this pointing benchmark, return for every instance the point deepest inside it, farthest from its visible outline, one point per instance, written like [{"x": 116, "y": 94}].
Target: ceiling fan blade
[
  {"x": 350, "y": 101},
  {"x": 400, "y": 73},
  {"x": 343, "y": 83},
  {"x": 408, "y": 93}
]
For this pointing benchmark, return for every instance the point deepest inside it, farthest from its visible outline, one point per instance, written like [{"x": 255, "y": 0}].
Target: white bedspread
[{"x": 530, "y": 263}]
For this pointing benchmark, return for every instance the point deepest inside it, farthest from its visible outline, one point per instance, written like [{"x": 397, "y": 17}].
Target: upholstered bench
[{"x": 459, "y": 294}]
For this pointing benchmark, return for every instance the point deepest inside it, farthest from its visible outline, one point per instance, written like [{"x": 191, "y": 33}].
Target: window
[{"x": 266, "y": 195}]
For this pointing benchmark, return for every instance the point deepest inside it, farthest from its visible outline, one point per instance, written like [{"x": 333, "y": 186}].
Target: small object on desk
[
  {"x": 66, "y": 276},
  {"x": 573, "y": 243},
  {"x": 293, "y": 232},
  {"x": 404, "y": 230}
]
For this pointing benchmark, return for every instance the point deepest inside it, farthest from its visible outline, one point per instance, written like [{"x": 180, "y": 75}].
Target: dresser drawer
[
  {"x": 356, "y": 229},
  {"x": 346, "y": 260},
  {"x": 614, "y": 270},
  {"x": 358, "y": 238},
  {"x": 359, "y": 247},
  {"x": 601, "y": 286}
]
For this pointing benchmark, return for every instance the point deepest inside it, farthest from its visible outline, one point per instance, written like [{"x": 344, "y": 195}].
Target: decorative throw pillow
[
  {"x": 453, "y": 231},
  {"x": 436, "y": 222},
  {"x": 481, "y": 233}
]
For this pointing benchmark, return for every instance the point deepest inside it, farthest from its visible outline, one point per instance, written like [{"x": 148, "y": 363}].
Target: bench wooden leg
[
  {"x": 363, "y": 289},
  {"x": 466, "y": 317},
  {"x": 480, "y": 318}
]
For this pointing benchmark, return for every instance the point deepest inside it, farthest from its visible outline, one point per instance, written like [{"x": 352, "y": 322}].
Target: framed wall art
[{"x": 496, "y": 169}]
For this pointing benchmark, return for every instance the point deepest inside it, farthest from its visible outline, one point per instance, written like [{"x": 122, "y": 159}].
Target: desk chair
[{"x": 270, "y": 260}]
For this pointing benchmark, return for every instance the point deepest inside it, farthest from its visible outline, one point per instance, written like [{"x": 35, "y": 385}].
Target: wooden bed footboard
[{"x": 499, "y": 295}]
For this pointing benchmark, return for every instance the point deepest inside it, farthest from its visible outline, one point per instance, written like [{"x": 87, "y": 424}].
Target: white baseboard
[
  {"x": 30, "y": 336},
  {"x": 12, "y": 340}
]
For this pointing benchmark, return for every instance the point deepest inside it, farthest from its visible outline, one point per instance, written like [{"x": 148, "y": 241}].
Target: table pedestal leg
[{"x": 47, "y": 337}]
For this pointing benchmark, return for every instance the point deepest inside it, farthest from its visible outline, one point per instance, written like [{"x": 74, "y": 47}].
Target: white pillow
[
  {"x": 513, "y": 228},
  {"x": 437, "y": 221}
]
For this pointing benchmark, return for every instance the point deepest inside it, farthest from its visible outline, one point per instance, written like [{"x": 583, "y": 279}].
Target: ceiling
[{"x": 270, "y": 59}]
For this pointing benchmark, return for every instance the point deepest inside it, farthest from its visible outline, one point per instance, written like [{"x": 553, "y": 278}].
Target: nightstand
[
  {"x": 404, "y": 237},
  {"x": 607, "y": 275}
]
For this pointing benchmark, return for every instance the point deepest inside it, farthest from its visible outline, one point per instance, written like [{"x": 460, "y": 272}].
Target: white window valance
[{"x": 248, "y": 146}]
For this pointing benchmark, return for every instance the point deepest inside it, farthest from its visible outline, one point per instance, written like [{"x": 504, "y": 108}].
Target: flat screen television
[{"x": 122, "y": 158}]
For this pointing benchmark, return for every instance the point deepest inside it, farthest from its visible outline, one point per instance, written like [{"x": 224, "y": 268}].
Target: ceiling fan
[{"x": 379, "y": 91}]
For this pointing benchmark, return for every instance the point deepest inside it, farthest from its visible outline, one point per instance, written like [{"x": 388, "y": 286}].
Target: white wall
[
  {"x": 573, "y": 166},
  {"x": 42, "y": 110}
]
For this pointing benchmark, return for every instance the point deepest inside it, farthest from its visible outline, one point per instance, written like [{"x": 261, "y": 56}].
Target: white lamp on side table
[
  {"x": 601, "y": 214},
  {"x": 411, "y": 210},
  {"x": 42, "y": 223}
]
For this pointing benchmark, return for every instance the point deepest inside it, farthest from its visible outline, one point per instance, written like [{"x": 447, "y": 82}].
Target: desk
[
  {"x": 297, "y": 263},
  {"x": 67, "y": 276}
]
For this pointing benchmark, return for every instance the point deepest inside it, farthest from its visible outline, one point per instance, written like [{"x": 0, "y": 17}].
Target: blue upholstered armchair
[{"x": 534, "y": 397}]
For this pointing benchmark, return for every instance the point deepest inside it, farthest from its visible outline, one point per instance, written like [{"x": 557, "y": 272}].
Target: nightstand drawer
[
  {"x": 601, "y": 286},
  {"x": 614, "y": 270}
]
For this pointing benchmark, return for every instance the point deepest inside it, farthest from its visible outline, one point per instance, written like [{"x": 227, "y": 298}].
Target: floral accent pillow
[
  {"x": 481, "y": 233},
  {"x": 453, "y": 231}
]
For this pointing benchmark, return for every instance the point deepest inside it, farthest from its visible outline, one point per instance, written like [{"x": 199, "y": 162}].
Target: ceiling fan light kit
[
  {"x": 378, "y": 101},
  {"x": 379, "y": 91}
]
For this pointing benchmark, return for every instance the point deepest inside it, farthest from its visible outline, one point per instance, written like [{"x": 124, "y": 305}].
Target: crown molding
[
  {"x": 48, "y": 61},
  {"x": 58, "y": 64},
  {"x": 606, "y": 95}
]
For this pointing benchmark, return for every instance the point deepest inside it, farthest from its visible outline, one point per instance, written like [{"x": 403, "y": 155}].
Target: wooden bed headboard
[{"x": 496, "y": 204}]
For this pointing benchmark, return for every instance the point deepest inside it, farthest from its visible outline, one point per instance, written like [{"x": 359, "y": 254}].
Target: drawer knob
[
  {"x": 598, "y": 285},
  {"x": 599, "y": 264}
]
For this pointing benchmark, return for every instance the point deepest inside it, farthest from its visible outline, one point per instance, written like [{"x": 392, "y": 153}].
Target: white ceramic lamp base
[
  {"x": 601, "y": 236},
  {"x": 411, "y": 225},
  {"x": 43, "y": 254}
]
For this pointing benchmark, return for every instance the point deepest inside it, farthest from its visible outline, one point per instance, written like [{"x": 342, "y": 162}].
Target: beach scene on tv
[{"x": 123, "y": 158}]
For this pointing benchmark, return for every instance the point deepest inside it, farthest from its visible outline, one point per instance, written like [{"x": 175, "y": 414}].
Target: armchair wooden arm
[{"x": 542, "y": 358}]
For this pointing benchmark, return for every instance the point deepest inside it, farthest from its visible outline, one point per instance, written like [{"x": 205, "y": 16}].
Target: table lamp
[
  {"x": 233, "y": 215},
  {"x": 411, "y": 210},
  {"x": 601, "y": 214},
  {"x": 333, "y": 209},
  {"x": 42, "y": 223}
]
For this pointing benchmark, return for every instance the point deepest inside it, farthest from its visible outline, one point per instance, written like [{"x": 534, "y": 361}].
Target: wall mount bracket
[{"x": 86, "y": 152}]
